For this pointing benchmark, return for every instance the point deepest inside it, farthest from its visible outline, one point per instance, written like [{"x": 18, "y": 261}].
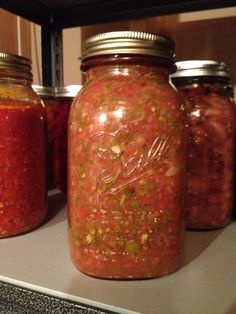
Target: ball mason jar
[
  {"x": 47, "y": 94},
  {"x": 206, "y": 88},
  {"x": 22, "y": 149},
  {"x": 126, "y": 159}
]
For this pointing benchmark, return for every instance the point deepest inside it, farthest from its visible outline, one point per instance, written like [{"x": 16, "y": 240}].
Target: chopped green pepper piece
[
  {"x": 132, "y": 247},
  {"x": 135, "y": 203}
]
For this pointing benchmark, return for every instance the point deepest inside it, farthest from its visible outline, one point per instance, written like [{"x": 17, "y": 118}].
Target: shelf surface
[
  {"x": 69, "y": 13},
  {"x": 205, "y": 283}
]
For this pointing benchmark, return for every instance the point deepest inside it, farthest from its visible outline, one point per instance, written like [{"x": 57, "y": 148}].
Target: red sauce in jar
[
  {"x": 57, "y": 101},
  {"x": 64, "y": 96},
  {"x": 22, "y": 167},
  {"x": 59, "y": 152},
  {"x": 47, "y": 95},
  {"x": 126, "y": 171},
  {"x": 211, "y": 145},
  {"x": 50, "y": 106}
]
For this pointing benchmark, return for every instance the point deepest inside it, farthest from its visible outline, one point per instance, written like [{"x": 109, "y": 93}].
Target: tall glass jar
[
  {"x": 22, "y": 149},
  {"x": 206, "y": 89},
  {"x": 126, "y": 159}
]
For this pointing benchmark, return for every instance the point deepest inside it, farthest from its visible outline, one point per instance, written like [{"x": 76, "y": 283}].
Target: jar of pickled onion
[
  {"x": 22, "y": 146},
  {"x": 47, "y": 94},
  {"x": 64, "y": 95},
  {"x": 126, "y": 159},
  {"x": 206, "y": 89}
]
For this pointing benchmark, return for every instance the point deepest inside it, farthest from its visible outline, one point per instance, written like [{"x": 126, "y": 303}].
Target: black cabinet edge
[
  {"x": 15, "y": 299},
  {"x": 94, "y": 12}
]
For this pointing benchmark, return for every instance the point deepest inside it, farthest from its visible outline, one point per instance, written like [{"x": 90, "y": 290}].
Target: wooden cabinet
[
  {"x": 15, "y": 34},
  {"x": 54, "y": 16}
]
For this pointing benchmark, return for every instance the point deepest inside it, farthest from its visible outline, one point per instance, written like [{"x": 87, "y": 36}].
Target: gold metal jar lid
[
  {"x": 14, "y": 61},
  {"x": 129, "y": 42},
  {"x": 199, "y": 68}
]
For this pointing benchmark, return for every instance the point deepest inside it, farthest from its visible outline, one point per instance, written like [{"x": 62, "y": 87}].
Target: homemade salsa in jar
[
  {"x": 22, "y": 149},
  {"x": 206, "y": 89},
  {"x": 64, "y": 95},
  {"x": 126, "y": 159},
  {"x": 47, "y": 94}
]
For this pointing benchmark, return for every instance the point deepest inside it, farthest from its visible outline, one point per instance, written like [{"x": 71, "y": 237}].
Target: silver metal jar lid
[
  {"x": 196, "y": 68},
  {"x": 129, "y": 42},
  {"x": 44, "y": 91},
  {"x": 14, "y": 61},
  {"x": 67, "y": 91}
]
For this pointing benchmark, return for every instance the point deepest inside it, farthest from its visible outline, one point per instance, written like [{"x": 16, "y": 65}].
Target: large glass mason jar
[
  {"x": 206, "y": 88},
  {"x": 22, "y": 149},
  {"x": 126, "y": 159}
]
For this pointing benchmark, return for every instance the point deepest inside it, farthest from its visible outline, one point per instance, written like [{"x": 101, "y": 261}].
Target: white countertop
[{"x": 205, "y": 283}]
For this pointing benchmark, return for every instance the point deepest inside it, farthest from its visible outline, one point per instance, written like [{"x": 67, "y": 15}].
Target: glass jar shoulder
[
  {"x": 118, "y": 88},
  {"x": 208, "y": 99},
  {"x": 18, "y": 93}
]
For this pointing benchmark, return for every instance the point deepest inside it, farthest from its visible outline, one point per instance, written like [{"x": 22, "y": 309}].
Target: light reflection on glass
[
  {"x": 102, "y": 118},
  {"x": 119, "y": 113},
  {"x": 121, "y": 71},
  {"x": 196, "y": 113}
]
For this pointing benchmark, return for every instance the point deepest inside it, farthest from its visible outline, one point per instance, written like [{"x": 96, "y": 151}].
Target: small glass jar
[
  {"x": 22, "y": 145},
  {"x": 126, "y": 159},
  {"x": 64, "y": 95},
  {"x": 206, "y": 89},
  {"x": 47, "y": 94}
]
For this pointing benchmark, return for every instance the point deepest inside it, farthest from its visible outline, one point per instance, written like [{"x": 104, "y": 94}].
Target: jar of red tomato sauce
[
  {"x": 126, "y": 159},
  {"x": 47, "y": 94},
  {"x": 64, "y": 95},
  {"x": 206, "y": 89},
  {"x": 22, "y": 146}
]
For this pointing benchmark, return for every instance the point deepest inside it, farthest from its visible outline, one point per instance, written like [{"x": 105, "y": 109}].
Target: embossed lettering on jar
[
  {"x": 126, "y": 159},
  {"x": 22, "y": 149},
  {"x": 206, "y": 89}
]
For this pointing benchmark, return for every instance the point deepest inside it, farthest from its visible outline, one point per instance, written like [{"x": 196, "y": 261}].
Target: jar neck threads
[
  {"x": 219, "y": 85},
  {"x": 15, "y": 69}
]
